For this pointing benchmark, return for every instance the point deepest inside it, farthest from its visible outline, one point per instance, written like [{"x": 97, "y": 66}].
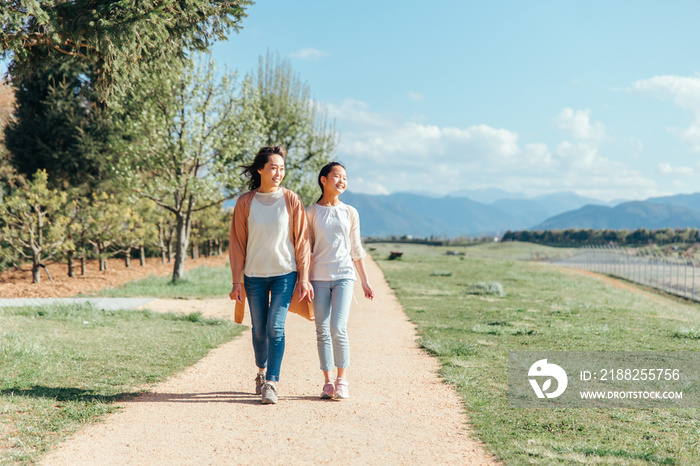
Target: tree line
[
  {"x": 581, "y": 237},
  {"x": 121, "y": 134}
]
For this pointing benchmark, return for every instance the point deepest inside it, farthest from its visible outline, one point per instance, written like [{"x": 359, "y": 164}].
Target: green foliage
[
  {"x": 292, "y": 118},
  {"x": 181, "y": 136},
  {"x": 33, "y": 223},
  {"x": 127, "y": 39},
  {"x": 576, "y": 237},
  {"x": 60, "y": 126},
  {"x": 62, "y": 367}
]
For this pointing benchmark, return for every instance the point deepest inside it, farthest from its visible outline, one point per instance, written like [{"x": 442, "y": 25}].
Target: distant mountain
[
  {"x": 628, "y": 215},
  {"x": 421, "y": 193},
  {"x": 691, "y": 201},
  {"x": 487, "y": 195},
  {"x": 421, "y": 216},
  {"x": 536, "y": 210}
]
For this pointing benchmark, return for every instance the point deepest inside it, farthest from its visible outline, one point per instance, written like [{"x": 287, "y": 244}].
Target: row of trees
[
  {"x": 578, "y": 237},
  {"x": 111, "y": 134},
  {"x": 41, "y": 224}
]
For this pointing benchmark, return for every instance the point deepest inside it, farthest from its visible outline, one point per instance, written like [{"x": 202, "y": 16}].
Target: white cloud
[
  {"x": 401, "y": 154},
  {"x": 667, "y": 169},
  {"x": 309, "y": 54},
  {"x": 359, "y": 185},
  {"x": 415, "y": 96},
  {"x": 577, "y": 123},
  {"x": 681, "y": 90}
]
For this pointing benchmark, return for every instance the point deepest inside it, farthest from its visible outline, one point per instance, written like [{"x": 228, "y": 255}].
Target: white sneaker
[
  {"x": 269, "y": 394},
  {"x": 341, "y": 389}
]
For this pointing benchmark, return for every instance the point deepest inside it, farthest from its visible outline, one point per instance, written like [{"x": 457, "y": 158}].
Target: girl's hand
[
  {"x": 306, "y": 291},
  {"x": 237, "y": 292},
  {"x": 369, "y": 291}
]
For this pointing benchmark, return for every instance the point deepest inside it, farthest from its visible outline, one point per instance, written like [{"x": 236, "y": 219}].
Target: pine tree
[
  {"x": 34, "y": 225},
  {"x": 125, "y": 39}
]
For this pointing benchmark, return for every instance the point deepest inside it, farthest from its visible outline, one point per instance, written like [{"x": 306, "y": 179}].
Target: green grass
[
  {"x": 202, "y": 282},
  {"x": 542, "y": 309},
  {"x": 64, "y": 366}
]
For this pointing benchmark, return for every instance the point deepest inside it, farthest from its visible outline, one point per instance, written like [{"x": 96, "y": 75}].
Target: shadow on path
[
  {"x": 213, "y": 397},
  {"x": 68, "y": 394}
]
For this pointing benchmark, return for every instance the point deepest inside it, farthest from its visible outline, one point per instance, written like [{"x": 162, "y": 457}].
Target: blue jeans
[
  {"x": 268, "y": 299},
  {"x": 331, "y": 307}
]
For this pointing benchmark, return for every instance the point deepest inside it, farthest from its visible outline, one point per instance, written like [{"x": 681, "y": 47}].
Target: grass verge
[
  {"x": 543, "y": 308},
  {"x": 201, "y": 282},
  {"x": 64, "y": 366}
]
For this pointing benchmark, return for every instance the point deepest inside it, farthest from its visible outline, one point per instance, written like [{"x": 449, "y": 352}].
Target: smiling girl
[{"x": 336, "y": 252}]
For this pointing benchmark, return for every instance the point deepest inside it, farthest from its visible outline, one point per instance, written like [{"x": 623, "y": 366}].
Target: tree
[
  {"x": 182, "y": 140},
  {"x": 7, "y": 104},
  {"x": 125, "y": 39},
  {"x": 60, "y": 125},
  {"x": 34, "y": 225},
  {"x": 290, "y": 117}
]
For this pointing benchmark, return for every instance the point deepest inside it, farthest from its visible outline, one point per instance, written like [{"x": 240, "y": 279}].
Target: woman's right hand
[{"x": 237, "y": 292}]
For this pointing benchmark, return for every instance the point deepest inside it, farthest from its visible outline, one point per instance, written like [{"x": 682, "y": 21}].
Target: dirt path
[{"x": 399, "y": 412}]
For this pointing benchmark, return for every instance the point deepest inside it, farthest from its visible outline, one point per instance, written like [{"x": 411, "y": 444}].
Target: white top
[
  {"x": 269, "y": 251},
  {"x": 335, "y": 241}
]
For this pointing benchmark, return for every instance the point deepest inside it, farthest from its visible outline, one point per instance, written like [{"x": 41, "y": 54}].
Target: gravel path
[{"x": 399, "y": 412}]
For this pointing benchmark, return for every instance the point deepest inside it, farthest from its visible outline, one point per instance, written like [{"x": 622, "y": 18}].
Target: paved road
[{"x": 106, "y": 304}]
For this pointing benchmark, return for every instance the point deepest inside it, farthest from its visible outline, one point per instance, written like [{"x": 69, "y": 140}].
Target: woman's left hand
[
  {"x": 305, "y": 291},
  {"x": 369, "y": 291}
]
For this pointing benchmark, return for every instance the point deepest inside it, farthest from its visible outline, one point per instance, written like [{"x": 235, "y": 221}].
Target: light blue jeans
[
  {"x": 268, "y": 299},
  {"x": 331, "y": 307}
]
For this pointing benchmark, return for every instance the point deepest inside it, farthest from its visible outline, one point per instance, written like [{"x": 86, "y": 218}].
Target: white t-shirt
[
  {"x": 269, "y": 251},
  {"x": 335, "y": 240}
]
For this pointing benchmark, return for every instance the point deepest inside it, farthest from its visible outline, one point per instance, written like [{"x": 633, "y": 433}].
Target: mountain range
[
  {"x": 494, "y": 211},
  {"x": 457, "y": 214}
]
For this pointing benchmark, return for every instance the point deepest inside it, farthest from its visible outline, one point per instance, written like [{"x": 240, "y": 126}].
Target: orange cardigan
[{"x": 300, "y": 240}]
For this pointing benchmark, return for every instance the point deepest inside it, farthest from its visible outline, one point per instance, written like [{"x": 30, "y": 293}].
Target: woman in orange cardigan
[{"x": 269, "y": 247}]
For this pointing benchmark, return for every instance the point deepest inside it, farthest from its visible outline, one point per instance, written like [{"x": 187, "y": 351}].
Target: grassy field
[
  {"x": 64, "y": 366},
  {"x": 471, "y": 323},
  {"x": 202, "y": 282}
]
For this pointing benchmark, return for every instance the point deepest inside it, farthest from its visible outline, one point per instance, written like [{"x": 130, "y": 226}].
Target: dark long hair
[
  {"x": 325, "y": 171},
  {"x": 261, "y": 158}
]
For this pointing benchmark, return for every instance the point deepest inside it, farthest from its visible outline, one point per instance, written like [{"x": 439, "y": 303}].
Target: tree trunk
[
  {"x": 127, "y": 258},
  {"x": 218, "y": 247},
  {"x": 36, "y": 277},
  {"x": 71, "y": 273},
  {"x": 82, "y": 264},
  {"x": 142, "y": 255},
  {"x": 170, "y": 247},
  {"x": 103, "y": 261},
  {"x": 161, "y": 241},
  {"x": 182, "y": 238}
]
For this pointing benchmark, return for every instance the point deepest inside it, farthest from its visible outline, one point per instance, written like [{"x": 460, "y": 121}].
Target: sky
[{"x": 598, "y": 98}]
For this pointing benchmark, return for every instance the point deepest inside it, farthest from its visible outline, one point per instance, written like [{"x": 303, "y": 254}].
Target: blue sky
[{"x": 599, "y": 98}]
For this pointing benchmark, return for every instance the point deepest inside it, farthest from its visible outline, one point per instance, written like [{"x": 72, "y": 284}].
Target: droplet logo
[{"x": 544, "y": 369}]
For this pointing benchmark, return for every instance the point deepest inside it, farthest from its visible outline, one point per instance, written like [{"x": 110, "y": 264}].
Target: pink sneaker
[
  {"x": 341, "y": 389},
  {"x": 328, "y": 391}
]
